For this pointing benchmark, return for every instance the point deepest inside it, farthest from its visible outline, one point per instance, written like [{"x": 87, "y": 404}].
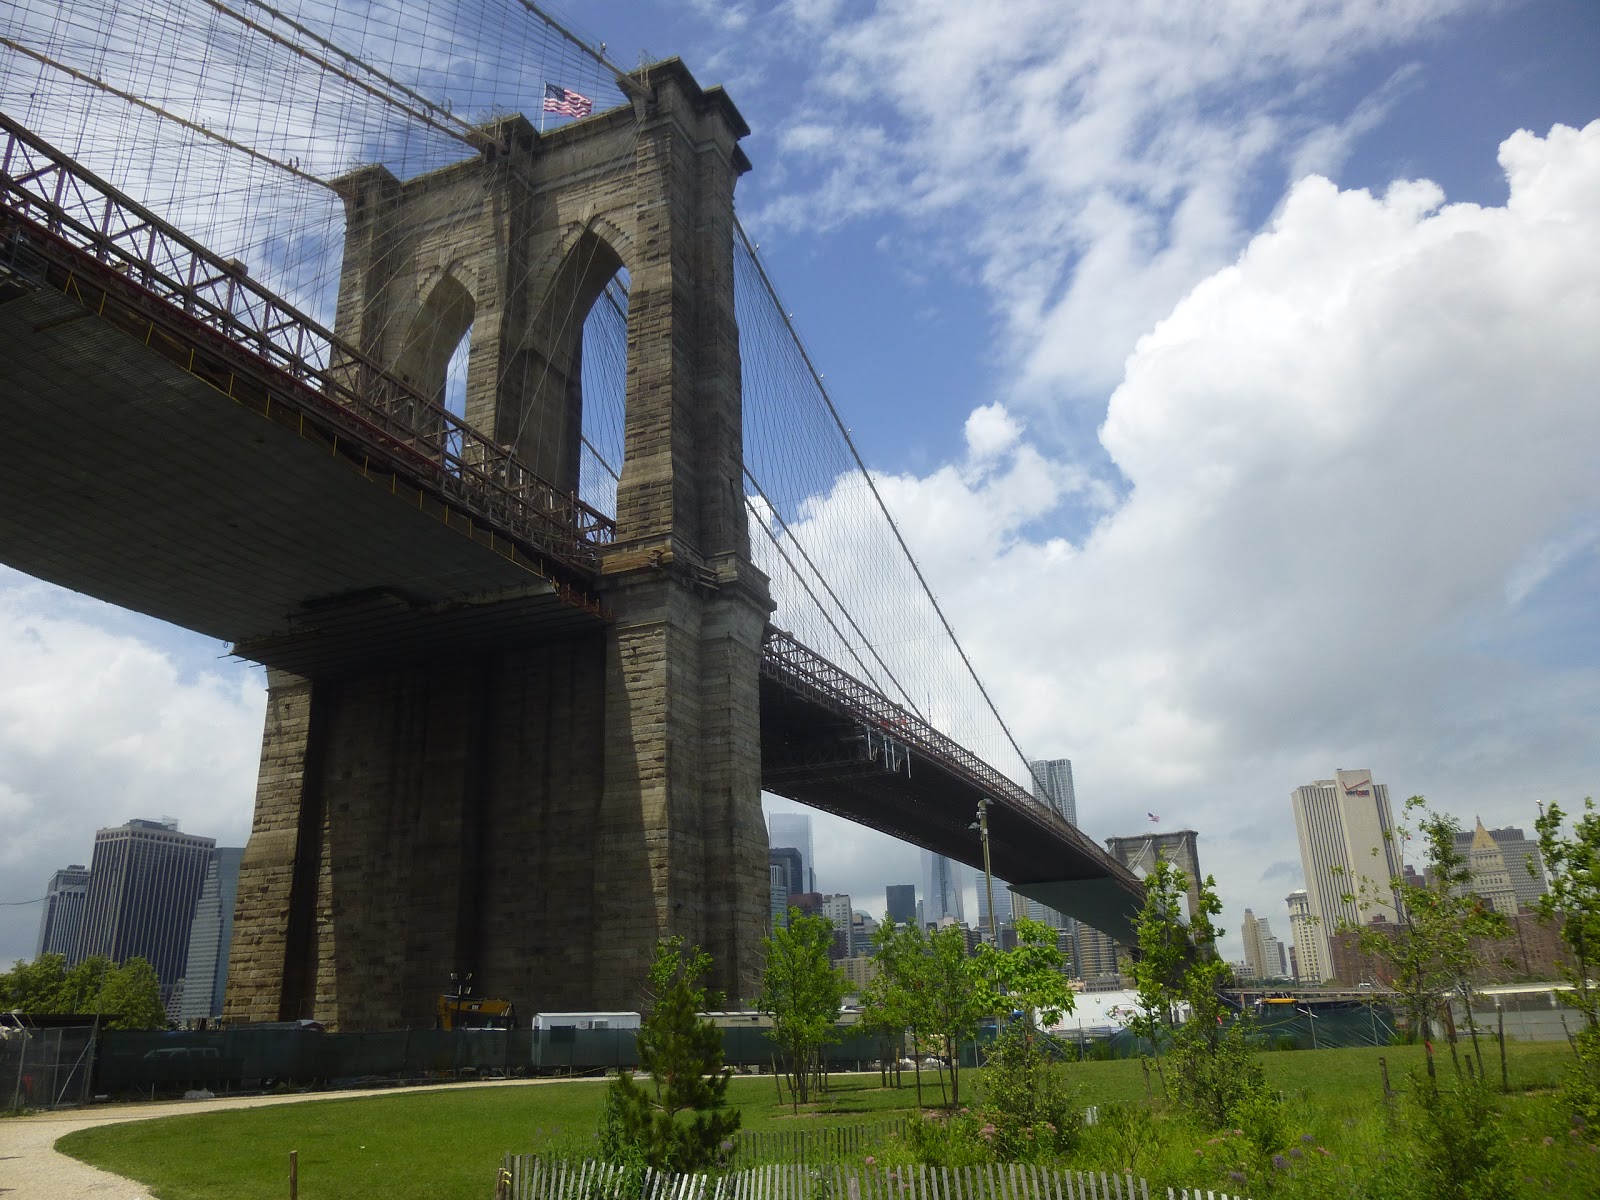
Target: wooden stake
[
  {"x": 294, "y": 1175},
  {"x": 1500, "y": 1018},
  {"x": 1383, "y": 1065}
]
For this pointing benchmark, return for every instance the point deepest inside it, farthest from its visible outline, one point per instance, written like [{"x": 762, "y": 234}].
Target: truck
[{"x": 458, "y": 1008}]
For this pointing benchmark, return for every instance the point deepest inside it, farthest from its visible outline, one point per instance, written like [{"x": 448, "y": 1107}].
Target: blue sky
[{"x": 1237, "y": 454}]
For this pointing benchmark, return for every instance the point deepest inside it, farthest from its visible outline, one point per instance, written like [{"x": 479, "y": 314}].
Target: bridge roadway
[{"x": 189, "y": 446}]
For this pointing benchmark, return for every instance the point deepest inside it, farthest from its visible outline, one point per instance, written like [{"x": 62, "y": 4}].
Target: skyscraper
[
  {"x": 1347, "y": 848},
  {"x": 941, "y": 889},
  {"x": 788, "y": 859},
  {"x": 1050, "y": 781},
  {"x": 1052, "y": 784},
  {"x": 838, "y": 910},
  {"x": 778, "y": 878},
  {"x": 144, "y": 883},
  {"x": 901, "y": 901},
  {"x": 1524, "y": 863},
  {"x": 1263, "y": 956},
  {"x": 794, "y": 830},
  {"x": 1491, "y": 876},
  {"x": 205, "y": 971},
  {"x": 62, "y": 919},
  {"x": 1310, "y": 964},
  {"x": 1003, "y": 900},
  {"x": 1098, "y": 954}
]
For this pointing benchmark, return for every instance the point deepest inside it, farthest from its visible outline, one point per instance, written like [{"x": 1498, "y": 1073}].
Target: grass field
[{"x": 445, "y": 1145}]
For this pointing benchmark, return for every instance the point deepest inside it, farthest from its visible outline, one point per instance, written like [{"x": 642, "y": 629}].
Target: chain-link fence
[{"x": 45, "y": 1068}]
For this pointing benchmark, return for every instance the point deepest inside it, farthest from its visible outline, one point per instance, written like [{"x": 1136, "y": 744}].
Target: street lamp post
[{"x": 988, "y": 875}]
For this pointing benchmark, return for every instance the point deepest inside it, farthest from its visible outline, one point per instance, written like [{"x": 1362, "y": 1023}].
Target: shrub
[
  {"x": 1458, "y": 1150},
  {"x": 1026, "y": 1100}
]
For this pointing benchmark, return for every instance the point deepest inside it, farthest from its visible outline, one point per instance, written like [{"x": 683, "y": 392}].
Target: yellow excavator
[{"x": 458, "y": 1008}]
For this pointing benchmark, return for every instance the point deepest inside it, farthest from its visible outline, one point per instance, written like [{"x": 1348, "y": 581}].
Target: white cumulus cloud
[{"x": 1338, "y": 450}]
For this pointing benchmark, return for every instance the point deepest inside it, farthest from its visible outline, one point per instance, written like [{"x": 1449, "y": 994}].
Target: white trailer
[{"x": 586, "y": 1020}]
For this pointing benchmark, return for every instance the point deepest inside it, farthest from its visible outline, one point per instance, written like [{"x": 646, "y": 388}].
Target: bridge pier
[{"x": 540, "y": 811}]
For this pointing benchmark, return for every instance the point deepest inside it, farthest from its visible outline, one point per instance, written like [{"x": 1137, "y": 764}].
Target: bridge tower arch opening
[
  {"x": 540, "y": 807},
  {"x": 433, "y": 339}
]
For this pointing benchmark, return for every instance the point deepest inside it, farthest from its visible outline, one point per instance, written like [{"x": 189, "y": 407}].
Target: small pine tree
[{"x": 679, "y": 1121}]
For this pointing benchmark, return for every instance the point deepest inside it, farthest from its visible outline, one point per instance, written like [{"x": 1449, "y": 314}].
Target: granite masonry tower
[{"x": 539, "y": 813}]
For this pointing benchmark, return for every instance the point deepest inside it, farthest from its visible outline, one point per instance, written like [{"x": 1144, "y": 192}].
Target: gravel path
[{"x": 32, "y": 1169}]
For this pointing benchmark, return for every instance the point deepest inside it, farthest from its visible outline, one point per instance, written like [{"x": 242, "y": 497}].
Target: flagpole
[{"x": 542, "y": 110}]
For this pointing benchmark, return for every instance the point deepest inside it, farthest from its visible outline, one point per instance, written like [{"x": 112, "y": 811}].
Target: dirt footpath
[{"x": 31, "y": 1168}]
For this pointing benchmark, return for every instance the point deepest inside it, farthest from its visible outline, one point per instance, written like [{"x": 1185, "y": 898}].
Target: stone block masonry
[{"x": 539, "y": 814}]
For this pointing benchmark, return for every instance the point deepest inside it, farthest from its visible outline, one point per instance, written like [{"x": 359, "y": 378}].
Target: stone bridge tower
[{"x": 538, "y": 813}]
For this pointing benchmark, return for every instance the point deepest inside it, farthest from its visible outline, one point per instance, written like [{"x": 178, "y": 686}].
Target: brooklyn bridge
[{"x": 489, "y": 438}]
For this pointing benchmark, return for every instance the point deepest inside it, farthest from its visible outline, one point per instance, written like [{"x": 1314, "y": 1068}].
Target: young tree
[
  {"x": 1024, "y": 1099},
  {"x": 678, "y": 1121},
  {"x": 1032, "y": 976},
  {"x": 1429, "y": 952},
  {"x": 802, "y": 993},
  {"x": 961, "y": 992},
  {"x": 1572, "y": 866},
  {"x": 1181, "y": 978},
  {"x": 898, "y": 997},
  {"x": 1164, "y": 952}
]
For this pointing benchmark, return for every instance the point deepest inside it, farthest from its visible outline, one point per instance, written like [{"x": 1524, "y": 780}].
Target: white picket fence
[{"x": 530, "y": 1177}]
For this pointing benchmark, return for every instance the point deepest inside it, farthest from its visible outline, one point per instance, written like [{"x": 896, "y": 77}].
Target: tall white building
[
  {"x": 793, "y": 830},
  {"x": 1310, "y": 964},
  {"x": 1349, "y": 854},
  {"x": 941, "y": 889}
]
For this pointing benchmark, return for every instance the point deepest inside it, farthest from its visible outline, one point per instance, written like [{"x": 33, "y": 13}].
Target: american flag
[
  {"x": 1152, "y": 816},
  {"x": 568, "y": 104}
]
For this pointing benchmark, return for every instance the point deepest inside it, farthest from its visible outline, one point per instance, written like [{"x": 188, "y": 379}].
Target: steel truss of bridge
[{"x": 181, "y": 420}]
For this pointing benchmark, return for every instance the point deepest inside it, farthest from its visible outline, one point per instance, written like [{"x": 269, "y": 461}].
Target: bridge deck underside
[
  {"x": 134, "y": 481},
  {"x": 810, "y": 754}
]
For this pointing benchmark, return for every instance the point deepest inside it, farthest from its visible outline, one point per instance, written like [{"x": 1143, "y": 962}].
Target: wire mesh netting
[
  {"x": 45, "y": 1068},
  {"x": 235, "y": 119}
]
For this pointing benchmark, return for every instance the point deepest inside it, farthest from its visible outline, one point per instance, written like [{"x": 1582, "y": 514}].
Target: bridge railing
[
  {"x": 800, "y": 668},
  {"x": 50, "y": 190}
]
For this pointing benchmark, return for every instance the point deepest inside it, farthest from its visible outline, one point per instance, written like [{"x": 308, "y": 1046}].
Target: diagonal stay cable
[
  {"x": 916, "y": 567},
  {"x": 323, "y": 64},
  {"x": 468, "y": 132},
  {"x": 164, "y": 114},
  {"x": 801, "y": 579},
  {"x": 832, "y": 595}
]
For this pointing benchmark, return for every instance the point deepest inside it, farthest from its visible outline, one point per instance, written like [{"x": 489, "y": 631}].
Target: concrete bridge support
[{"x": 539, "y": 812}]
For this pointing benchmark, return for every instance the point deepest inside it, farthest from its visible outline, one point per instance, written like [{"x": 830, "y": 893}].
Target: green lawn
[{"x": 446, "y": 1145}]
